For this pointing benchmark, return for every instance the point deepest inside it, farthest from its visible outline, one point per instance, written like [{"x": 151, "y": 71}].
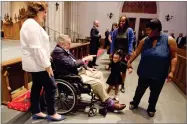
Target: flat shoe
[
  {"x": 55, "y": 119},
  {"x": 35, "y": 117},
  {"x": 151, "y": 114},
  {"x": 132, "y": 105}
]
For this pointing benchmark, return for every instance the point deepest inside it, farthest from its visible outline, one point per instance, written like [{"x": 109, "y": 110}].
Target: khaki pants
[{"x": 95, "y": 79}]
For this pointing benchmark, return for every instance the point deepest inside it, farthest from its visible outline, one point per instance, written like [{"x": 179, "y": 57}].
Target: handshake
[{"x": 88, "y": 58}]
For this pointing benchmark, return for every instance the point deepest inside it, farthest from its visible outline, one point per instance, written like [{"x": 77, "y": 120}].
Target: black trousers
[
  {"x": 93, "y": 51},
  {"x": 155, "y": 86},
  {"x": 134, "y": 45},
  {"x": 39, "y": 80}
]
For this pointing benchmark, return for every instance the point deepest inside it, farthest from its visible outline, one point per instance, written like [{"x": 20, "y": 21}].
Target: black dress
[{"x": 115, "y": 77}]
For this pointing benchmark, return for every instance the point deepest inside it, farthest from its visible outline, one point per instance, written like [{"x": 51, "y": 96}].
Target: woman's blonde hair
[{"x": 34, "y": 7}]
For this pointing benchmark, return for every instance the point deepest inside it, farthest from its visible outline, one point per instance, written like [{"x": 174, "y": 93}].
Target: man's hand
[
  {"x": 50, "y": 71},
  {"x": 170, "y": 77},
  {"x": 88, "y": 58},
  {"x": 99, "y": 34}
]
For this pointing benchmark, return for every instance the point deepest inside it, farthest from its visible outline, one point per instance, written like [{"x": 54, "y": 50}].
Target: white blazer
[{"x": 35, "y": 47}]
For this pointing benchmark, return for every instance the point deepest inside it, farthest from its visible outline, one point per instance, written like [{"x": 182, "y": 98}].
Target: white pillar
[
  {"x": 137, "y": 25},
  {"x": 61, "y": 17},
  {"x": 1, "y": 16},
  {"x": 71, "y": 15},
  {"x": 6, "y": 8}
]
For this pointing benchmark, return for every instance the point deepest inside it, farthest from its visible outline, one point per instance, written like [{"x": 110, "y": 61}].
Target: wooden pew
[
  {"x": 8, "y": 30},
  {"x": 180, "y": 73},
  {"x": 82, "y": 40},
  {"x": 15, "y": 81}
]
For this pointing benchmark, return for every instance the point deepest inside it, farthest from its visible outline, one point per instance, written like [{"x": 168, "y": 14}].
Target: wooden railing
[
  {"x": 15, "y": 81},
  {"x": 180, "y": 73}
]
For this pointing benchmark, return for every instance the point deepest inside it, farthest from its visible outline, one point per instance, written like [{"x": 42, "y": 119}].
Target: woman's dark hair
[
  {"x": 119, "y": 52},
  {"x": 154, "y": 24},
  {"x": 114, "y": 24},
  {"x": 126, "y": 25},
  {"x": 35, "y": 7}
]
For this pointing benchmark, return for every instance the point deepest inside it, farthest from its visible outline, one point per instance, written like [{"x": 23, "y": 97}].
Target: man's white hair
[
  {"x": 96, "y": 21},
  {"x": 63, "y": 38}
]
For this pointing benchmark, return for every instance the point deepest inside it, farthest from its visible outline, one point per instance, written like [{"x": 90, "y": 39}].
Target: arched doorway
[{"x": 141, "y": 12}]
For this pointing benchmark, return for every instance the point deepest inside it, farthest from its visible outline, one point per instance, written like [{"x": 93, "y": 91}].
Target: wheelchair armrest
[{"x": 71, "y": 77}]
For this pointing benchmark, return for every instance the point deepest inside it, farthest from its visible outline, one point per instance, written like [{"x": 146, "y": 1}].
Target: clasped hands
[{"x": 89, "y": 58}]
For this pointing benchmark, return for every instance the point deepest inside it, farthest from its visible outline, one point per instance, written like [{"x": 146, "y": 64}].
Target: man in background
[
  {"x": 94, "y": 43},
  {"x": 107, "y": 42},
  {"x": 134, "y": 43},
  {"x": 180, "y": 40}
]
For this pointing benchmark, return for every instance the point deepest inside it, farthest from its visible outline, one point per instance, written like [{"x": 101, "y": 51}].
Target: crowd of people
[
  {"x": 181, "y": 40},
  {"x": 158, "y": 61}
]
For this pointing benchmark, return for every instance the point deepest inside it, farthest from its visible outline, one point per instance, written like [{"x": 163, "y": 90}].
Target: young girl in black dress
[{"x": 117, "y": 67}]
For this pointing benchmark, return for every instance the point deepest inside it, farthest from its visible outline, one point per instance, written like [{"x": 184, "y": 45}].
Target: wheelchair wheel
[
  {"x": 92, "y": 112},
  {"x": 65, "y": 98}
]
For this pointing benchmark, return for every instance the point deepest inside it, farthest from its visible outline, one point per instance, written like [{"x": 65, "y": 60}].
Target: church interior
[{"x": 75, "y": 19}]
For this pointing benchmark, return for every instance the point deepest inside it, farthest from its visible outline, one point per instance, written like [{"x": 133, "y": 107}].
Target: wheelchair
[{"x": 68, "y": 95}]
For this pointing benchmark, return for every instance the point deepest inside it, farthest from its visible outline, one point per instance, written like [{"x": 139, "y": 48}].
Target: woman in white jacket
[{"x": 36, "y": 60}]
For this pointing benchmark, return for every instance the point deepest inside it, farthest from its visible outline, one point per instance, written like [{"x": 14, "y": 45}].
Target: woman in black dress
[{"x": 117, "y": 68}]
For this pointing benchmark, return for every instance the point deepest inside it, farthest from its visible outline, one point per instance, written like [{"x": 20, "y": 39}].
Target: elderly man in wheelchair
[{"x": 72, "y": 82}]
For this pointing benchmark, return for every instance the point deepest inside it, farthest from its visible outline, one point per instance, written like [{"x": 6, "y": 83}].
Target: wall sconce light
[
  {"x": 168, "y": 17},
  {"x": 57, "y": 4},
  {"x": 110, "y": 15}
]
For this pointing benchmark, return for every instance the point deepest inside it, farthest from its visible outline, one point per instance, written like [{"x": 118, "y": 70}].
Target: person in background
[
  {"x": 114, "y": 27},
  {"x": 142, "y": 35},
  {"x": 107, "y": 43},
  {"x": 123, "y": 38},
  {"x": 180, "y": 40},
  {"x": 35, "y": 49},
  {"x": 94, "y": 43},
  {"x": 158, "y": 62},
  {"x": 134, "y": 43},
  {"x": 173, "y": 35}
]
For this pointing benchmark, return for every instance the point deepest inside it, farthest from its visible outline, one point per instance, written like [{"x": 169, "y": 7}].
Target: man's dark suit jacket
[
  {"x": 182, "y": 42},
  {"x": 94, "y": 43},
  {"x": 64, "y": 63}
]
